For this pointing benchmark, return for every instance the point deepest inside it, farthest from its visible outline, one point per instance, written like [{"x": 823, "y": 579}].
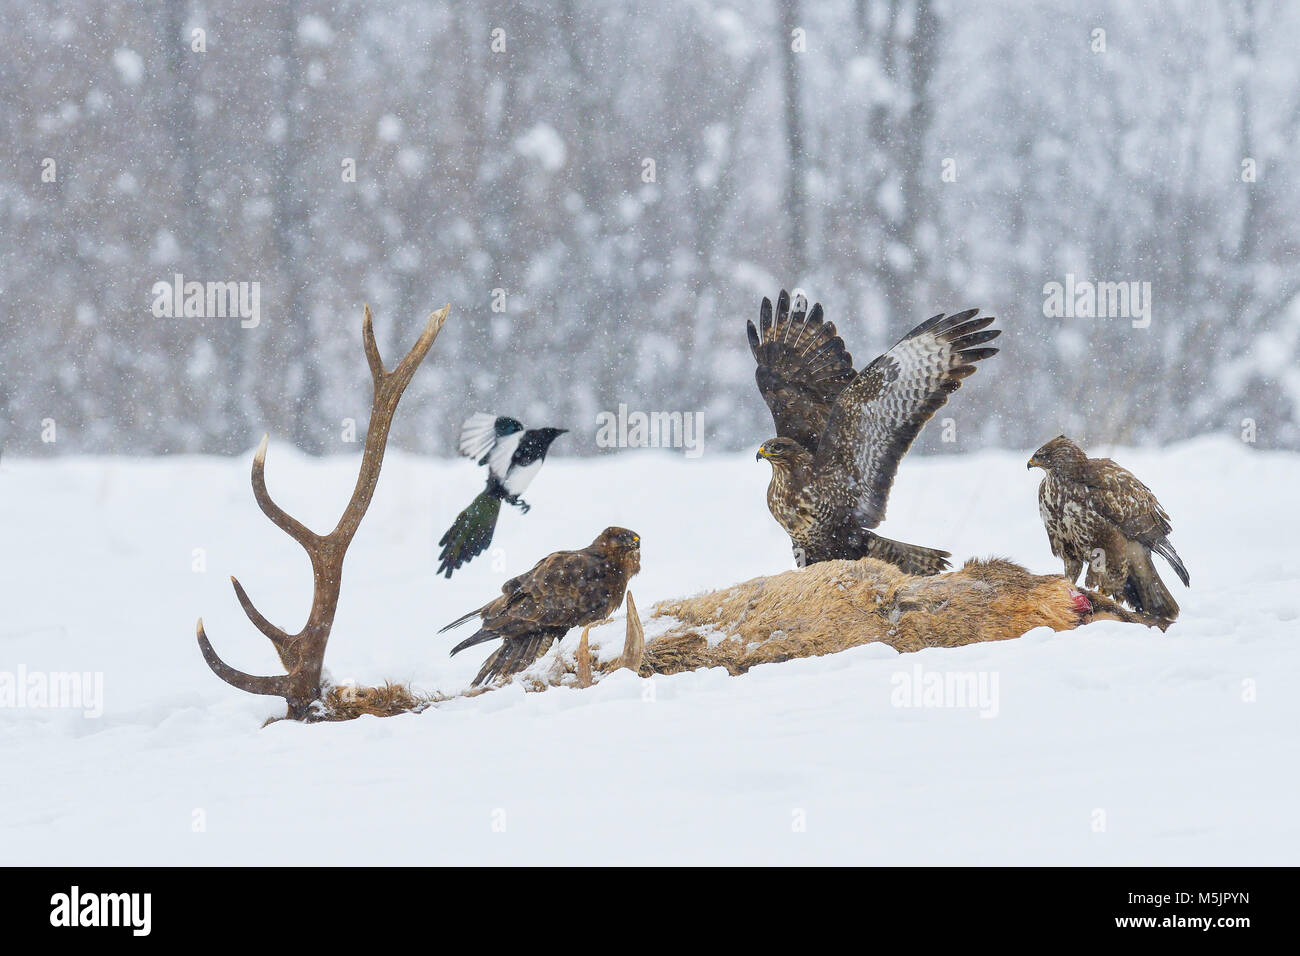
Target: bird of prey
[
  {"x": 841, "y": 433},
  {"x": 564, "y": 590},
  {"x": 513, "y": 457},
  {"x": 1096, "y": 512}
]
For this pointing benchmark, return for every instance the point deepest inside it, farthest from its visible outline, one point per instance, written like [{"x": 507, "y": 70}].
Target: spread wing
[
  {"x": 563, "y": 590},
  {"x": 802, "y": 367},
  {"x": 477, "y": 436},
  {"x": 499, "y": 457},
  {"x": 876, "y": 419},
  {"x": 479, "y": 440}
]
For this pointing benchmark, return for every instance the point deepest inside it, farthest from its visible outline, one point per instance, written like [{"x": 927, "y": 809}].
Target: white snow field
[{"x": 1111, "y": 744}]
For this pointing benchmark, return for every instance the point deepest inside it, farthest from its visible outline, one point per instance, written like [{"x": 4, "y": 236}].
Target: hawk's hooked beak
[
  {"x": 760, "y": 454},
  {"x": 1033, "y": 463}
]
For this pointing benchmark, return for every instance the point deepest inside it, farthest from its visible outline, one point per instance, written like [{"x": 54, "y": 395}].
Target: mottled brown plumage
[
  {"x": 1097, "y": 513},
  {"x": 842, "y": 433},
  {"x": 564, "y": 590}
]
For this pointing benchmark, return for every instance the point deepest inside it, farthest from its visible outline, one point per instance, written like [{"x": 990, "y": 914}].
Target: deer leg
[{"x": 634, "y": 641}]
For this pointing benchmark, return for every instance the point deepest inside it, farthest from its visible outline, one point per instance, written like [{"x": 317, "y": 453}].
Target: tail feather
[
  {"x": 515, "y": 655},
  {"x": 461, "y": 620},
  {"x": 470, "y": 533},
  {"x": 1146, "y": 593},
  {"x": 481, "y": 636},
  {"x": 1166, "y": 551},
  {"x": 911, "y": 558}
]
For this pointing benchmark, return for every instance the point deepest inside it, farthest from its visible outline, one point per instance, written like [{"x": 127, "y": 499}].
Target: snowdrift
[{"x": 1178, "y": 738}]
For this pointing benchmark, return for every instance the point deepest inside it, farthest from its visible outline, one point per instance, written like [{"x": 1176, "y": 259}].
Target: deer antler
[{"x": 303, "y": 654}]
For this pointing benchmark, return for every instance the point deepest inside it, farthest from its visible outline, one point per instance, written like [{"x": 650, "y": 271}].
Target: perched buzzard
[
  {"x": 564, "y": 590},
  {"x": 842, "y": 433},
  {"x": 1096, "y": 512}
]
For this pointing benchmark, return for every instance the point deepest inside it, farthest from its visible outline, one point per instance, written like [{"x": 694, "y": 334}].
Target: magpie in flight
[{"x": 513, "y": 457}]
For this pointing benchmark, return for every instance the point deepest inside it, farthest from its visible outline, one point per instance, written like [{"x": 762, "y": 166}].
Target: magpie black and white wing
[
  {"x": 477, "y": 436},
  {"x": 500, "y": 458},
  {"x": 876, "y": 418},
  {"x": 491, "y": 440}
]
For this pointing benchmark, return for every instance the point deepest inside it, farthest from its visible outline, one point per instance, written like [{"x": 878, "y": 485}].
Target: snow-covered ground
[{"x": 1110, "y": 744}]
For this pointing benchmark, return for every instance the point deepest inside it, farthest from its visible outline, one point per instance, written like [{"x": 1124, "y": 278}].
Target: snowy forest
[{"x": 604, "y": 191}]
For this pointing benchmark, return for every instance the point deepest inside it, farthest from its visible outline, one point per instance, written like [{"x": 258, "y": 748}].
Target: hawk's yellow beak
[
  {"x": 762, "y": 453},
  {"x": 1033, "y": 463}
]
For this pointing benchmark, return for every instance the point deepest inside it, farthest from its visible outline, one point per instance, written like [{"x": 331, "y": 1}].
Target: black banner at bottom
[{"x": 240, "y": 904}]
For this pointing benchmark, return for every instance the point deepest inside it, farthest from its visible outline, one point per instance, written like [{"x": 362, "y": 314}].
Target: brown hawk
[
  {"x": 842, "y": 433},
  {"x": 564, "y": 590},
  {"x": 1097, "y": 513}
]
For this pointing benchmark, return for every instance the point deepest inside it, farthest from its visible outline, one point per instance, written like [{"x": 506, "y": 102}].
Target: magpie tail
[{"x": 470, "y": 534}]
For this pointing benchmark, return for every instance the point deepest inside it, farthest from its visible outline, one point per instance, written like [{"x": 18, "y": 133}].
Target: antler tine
[
  {"x": 376, "y": 364},
  {"x": 279, "y": 517},
  {"x": 411, "y": 361},
  {"x": 276, "y": 636},
  {"x": 404, "y": 369},
  {"x": 389, "y": 387},
  {"x": 270, "y": 686}
]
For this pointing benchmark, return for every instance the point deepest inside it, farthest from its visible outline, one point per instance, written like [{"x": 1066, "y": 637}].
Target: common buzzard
[
  {"x": 1097, "y": 513},
  {"x": 841, "y": 433},
  {"x": 564, "y": 590}
]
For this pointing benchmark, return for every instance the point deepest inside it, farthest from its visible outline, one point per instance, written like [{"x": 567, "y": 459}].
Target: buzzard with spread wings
[
  {"x": 564, "y": 590},
  {"x": 842, "y": 433},
  {"x": 1096, "y": 512}
]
